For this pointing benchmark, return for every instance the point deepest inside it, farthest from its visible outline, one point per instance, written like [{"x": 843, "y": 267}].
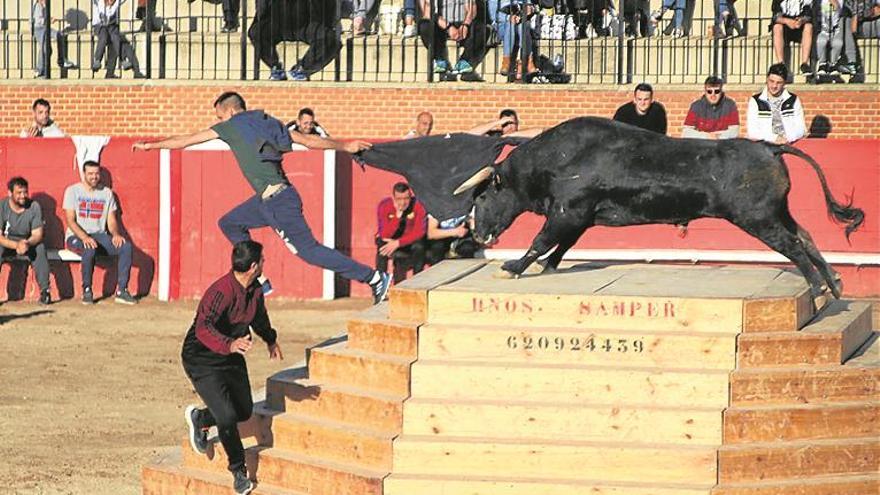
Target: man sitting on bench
[
  {"x": 22, "y": 235},
  {"x": 92, "y": 226}
]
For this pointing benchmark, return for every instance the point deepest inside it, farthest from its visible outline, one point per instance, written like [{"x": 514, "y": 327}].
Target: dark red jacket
[{"x": 416, "y": 222}]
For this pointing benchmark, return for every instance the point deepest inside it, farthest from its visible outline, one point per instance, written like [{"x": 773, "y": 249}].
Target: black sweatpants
[
  {"x": 227, "y": 395},
  {"x": 310, "y": 21}
]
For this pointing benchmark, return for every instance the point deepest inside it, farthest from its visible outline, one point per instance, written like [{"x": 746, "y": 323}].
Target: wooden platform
[{"x": 621, "y": 379}]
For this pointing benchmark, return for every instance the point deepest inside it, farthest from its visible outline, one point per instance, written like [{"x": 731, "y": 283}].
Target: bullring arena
[{"x": 657, "y": 359}]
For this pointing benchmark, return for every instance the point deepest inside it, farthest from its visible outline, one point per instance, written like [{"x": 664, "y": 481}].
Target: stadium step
[
  {"x": 804, "y": 385},
  {"x": 373, "y": 331},
  {"x": 408, "y": 301},
  {"x": 568, "y": 460},
  {"x": 349, "y": 405},
  {"x": 333, "y": 441},
  {"x": 756, "y": 462},
  {"x": 834, "y": 485},
  {"x": 835, "y": 334},
  {"x": 177, "y": 480},
  {"x": 401, "y": 484},
  {"x": 440, "y": 418},
  {"x": 801, "y": 422},
  {"x": 381, "y": 373}
]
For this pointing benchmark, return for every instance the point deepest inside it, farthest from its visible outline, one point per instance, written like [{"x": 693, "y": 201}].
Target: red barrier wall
[{"x": 47, "y": 164}]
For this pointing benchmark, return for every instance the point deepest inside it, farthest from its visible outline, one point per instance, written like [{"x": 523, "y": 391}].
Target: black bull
[{"x": 592, "y": 171}]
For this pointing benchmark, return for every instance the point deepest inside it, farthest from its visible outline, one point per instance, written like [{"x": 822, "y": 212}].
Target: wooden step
[
  {"x": 570, "y": 384},
  {"x": 408, "y": 301},
  {"x": 333, "y": 441},
  {"x": 628, "y": 297},
  {"x": 349, "y": 405},
  {"x": 372, "y": 331},
  {"x": 599, "y": 423},
  {"x": 801, "y": 422},
  {"x": 610, "y": 462},
  {"x": 803, "y": 459},
  {"x": 448, "y": 485},
  {"x": 318, "y": 476},
  {"x": 216, "y": 460},
  {"x": 837, "y": 332},
  {"x": 836, "y": 485},
  {"x": 339, "y": 364},
  {"x": 804, "y": 385},
  {"x": 177, "y": 480},
  {"x": 577, "y": 346}
]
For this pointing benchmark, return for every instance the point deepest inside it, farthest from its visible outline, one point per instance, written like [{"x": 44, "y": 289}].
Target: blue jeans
[
  {"x": 678, "y": 15},
  {"x": 105, "y": 246},
  {"x": 510, "y": 36},
  {"x": 283, "y": 212},
  {"x": 409, "y": 8}
]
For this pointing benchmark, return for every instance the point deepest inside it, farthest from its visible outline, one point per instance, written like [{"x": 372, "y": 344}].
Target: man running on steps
[
  {"x": 213, "y": 357},
  {"x": 258, "y": 141}
]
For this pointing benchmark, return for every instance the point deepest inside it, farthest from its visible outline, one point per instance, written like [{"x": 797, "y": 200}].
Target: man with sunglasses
[{"x": 713, "y": 116}]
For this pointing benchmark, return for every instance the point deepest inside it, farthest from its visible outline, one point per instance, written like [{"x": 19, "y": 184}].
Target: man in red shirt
[
  {"x": 714, "y": 116},
  {"x": 401, "y": 235}
]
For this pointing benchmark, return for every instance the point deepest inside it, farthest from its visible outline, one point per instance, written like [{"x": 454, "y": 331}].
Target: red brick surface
[{"x": 383, "y": 110}]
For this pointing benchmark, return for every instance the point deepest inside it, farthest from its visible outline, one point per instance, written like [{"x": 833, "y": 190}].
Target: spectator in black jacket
[{"x": 643, "y": 111}]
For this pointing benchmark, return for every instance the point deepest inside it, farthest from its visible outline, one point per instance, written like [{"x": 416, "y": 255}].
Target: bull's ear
[{"x": 477, "y": 178}]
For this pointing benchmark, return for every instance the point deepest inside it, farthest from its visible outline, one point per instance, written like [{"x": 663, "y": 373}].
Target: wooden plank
[
  {"x": 449, "y": 485},
  {"x": 380, "y": 373},
  {"x": 837, "y": 485},
  {"x": 757, "y": 462},
  {"x": 802, "y": 422},
  {"x": 563, "y": 461},
  {"x": 578, "y": 347},
  {"x": 381, "y": 335},
  {"x": 317, "y": 477},
  {"x": 333, "y": 441},
  {"x": 783, "y": 305},
  {"x": 601, "y": 423},
  {"x": 804, "y": 385},
  {"x": 595, "y": 312},
  {"x": 576, "y": 385},
  {"x": 408, "y": 301}
]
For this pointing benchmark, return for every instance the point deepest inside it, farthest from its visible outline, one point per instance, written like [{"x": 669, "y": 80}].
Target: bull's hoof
[
  {"x": 504, "y": 274},
  {"x": 819, "y": 302}
]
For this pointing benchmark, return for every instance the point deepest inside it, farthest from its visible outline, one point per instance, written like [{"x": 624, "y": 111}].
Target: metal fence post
[
  {"x": 243, "y": 74},
  {"x": 621, "y": 28},
  {"x": 148, "y": 31},
  {"x": 47, "y": 40}
]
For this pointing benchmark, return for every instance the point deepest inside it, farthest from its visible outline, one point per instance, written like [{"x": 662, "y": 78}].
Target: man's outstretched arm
[
  {"x": 317, "y": 142},
  {"x": 177, "y": 142}
]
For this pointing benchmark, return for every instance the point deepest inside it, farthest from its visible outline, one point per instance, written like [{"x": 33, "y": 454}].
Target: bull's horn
[{"x": 478, "y": 177}]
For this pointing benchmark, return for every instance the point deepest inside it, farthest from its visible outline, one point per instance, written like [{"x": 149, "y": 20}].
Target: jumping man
[{"x": 258, "y": 141}]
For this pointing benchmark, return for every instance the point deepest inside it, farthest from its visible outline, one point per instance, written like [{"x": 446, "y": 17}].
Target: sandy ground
[{"x": 90, "y": 394}]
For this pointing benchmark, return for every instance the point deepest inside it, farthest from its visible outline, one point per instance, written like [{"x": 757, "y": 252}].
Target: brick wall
[{"x": 382, "y": 110}]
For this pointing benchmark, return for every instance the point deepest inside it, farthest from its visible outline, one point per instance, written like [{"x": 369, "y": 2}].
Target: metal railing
[{"x": 579, "y": 39}]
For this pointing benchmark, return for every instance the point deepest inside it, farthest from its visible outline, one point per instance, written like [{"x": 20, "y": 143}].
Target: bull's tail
[{"x": 846, "y": 214}]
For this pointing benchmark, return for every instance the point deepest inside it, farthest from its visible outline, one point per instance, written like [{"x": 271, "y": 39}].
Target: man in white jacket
[{"x": 774, "y": 114}]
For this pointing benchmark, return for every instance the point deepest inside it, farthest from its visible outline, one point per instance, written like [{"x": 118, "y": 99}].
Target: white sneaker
[{"x": 409, "y": 31}]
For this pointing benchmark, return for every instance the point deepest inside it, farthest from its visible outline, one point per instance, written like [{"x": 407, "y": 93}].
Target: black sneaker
[
  {"x": 805, "y": 69},
  {"x": 198, "y": 437},
  {"x": 229, "y": 28},
  {"x": 823, "y": 69},
  {"x": 124, "y": 297},
  {"x": 88, "y": 297},
  {"x": 242, "y": 484},
  {"x": 848, "y": 69},
  {"x": 45, "y": 298},
  {"x": 380, "y": 288}
]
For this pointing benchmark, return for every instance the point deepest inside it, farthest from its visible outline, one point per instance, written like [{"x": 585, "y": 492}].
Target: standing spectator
[
  {"x": 213, "y": 357},
  {"x": 462, "y": 21},
  {"x": 774, "y": 114},
  {"x": 401, "y": 232},
  {"x": 792, "y": 21},
  {"x": 105, "y": 27},
  {"x": 305, "y": 123},
  {"x": 714, "y": 116},
  {"x": 22, "y": 221},
  {"x": 643, "y": 111},
  {"x": 92, "y": 227},
  {"x": 424, "y": 125},
  {"x": 866, "y": 19},
  {"x": 509, "y": 16},
  {"x": 43, "y": 125},
  {"x": 44, "y": 54},
  {"x": 830, "y": 31}
]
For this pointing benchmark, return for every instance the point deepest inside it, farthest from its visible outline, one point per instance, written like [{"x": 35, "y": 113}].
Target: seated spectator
[
  {"x": 424, "y": 125},
  {"x": 507, "y": 125},
  {"x": 22, "y": 221},
  {"x": 409, "y": 18},
  {"x": 44, "y": 53},
  {"x": 108, "y": 37},
  {"x": 305, "y": 123},
  {"x": 401, "y": 233},
  {"x": 508, "y": 15},
  {"x": 714, "y": 116},
  {"x": 792, "y": 20},
  {"x": 365, "y": 12},
  {"x": 727, "y": 22},
  {"x": 313, "y": 23},
  {"x": 830, "y": 36},
  {"x": 43, "y": 125},
  {"x": 643, "y": 111},
  {"x": 637, "y": 13},
  {"x": 463, "y": 21},
  {"x": 866, "y": 19},
  {"x": 678, "y": 8},
  {"x": 449, "y": 239},
  {"x": 92, "y": 228},
  {"x": 774, "y": 114}
]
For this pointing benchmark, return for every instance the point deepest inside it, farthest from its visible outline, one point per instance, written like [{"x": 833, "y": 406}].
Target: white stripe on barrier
[
  {"x": 328, "y": 283},
  {"x": 164, "y": 224},
  {"x": 690, "y": 255}
]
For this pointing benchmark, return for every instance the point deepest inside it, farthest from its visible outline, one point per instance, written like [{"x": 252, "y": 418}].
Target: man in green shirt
[{"x": 258, "y": 142}]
